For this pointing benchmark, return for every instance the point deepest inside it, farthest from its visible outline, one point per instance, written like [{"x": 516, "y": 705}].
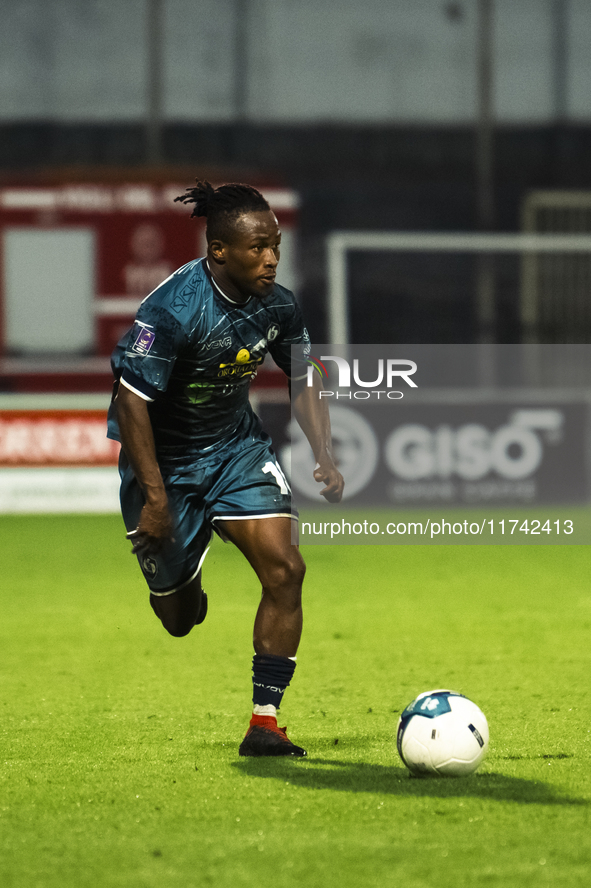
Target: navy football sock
[{"x": 270, "y": 677}]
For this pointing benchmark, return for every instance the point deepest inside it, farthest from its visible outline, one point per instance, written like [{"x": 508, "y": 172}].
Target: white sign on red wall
[
  {"x": 55, "y": 438},
  {"x": 57, "y": 460},
  {"x": 140, "y": 236}
]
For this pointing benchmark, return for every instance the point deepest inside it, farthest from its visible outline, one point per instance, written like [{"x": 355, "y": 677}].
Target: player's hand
[
  {"x": 154, "y": 529},
  {"x": 327, "y": 473}
]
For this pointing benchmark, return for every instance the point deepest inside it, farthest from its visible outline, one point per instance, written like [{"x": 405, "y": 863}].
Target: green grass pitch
[{"x": 119, "y": 764}]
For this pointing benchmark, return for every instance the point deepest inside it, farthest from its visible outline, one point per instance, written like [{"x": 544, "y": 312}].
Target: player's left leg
[
  {"x": 181, "y": 610},
  {"x": 267, "y": 544},
  {"x": 173, "y": 574}
]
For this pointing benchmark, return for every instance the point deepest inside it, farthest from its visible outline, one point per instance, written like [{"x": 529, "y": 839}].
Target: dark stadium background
[{"x": 201, "y": 88}]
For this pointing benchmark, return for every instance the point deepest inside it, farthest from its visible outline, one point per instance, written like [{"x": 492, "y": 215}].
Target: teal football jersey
[{"x": 192, "y": 354}]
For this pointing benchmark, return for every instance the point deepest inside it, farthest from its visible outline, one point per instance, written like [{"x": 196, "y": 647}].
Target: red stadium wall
[
  {"x": 36, "y": 438},
  {"x": 140, "y": 234}
]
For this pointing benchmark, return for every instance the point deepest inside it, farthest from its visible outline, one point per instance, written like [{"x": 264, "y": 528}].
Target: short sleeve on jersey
[
  {"x": 138, "y": 386},
  {"x": 152, "y": 348},
  {"x": 293, "y": 361}
]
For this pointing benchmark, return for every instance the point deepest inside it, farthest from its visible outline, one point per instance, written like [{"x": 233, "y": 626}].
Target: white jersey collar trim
[{"x": 221, "y": 292}]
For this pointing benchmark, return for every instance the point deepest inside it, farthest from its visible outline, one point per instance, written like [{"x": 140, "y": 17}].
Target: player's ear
[{"x": 217, "y": 250}]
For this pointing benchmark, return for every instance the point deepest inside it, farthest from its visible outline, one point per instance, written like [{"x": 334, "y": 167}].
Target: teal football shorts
[{"x": 242, "y": 479}]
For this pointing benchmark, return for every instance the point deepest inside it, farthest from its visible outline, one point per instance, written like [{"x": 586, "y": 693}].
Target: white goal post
[{"x": 340, "y": 243}]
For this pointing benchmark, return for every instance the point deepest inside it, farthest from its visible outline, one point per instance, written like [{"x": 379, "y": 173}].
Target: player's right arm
[
  {"x": 143, "y": 371},
  {"x": 137, "y": 440}
]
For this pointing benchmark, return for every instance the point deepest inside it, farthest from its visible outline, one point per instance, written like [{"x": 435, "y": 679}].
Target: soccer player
[{"x": 194, "y": 457}]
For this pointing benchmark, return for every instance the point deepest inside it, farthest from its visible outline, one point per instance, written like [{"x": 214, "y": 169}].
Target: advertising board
[{"x": 55, "y": 456}]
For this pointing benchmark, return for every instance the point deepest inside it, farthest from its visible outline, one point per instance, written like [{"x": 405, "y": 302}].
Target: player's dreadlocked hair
[{"x": 222, "y": 206}]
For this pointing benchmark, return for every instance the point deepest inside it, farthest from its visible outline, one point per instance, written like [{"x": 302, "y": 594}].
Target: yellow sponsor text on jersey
[{"x": 243, "y": 365}]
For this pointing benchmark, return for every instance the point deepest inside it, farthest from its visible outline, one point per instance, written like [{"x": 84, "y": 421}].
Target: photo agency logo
[
  {"x": 388, "y": 372},
  {"x": 453, "y": 436}
]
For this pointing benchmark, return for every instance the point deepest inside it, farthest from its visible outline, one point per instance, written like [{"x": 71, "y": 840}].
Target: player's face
[{"x": 248, "y": 264}]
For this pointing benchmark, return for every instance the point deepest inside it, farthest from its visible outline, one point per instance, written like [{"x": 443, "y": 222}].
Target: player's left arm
[
  {"x": 312, "y": 415},
  {"x": 310, "y": 411}
]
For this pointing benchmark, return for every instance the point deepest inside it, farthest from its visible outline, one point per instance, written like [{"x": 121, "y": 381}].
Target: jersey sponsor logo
[
  {"x": 218, "y": 343},
  {"x": 273, "y": 332},
  {"x": 244, "y": 364},
  {"x": 144, "y": 342},
  {"x": 200, "y": 392}
]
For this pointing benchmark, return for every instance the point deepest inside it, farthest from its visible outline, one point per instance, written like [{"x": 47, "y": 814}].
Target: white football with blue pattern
[{"x": 442, "y": 732}]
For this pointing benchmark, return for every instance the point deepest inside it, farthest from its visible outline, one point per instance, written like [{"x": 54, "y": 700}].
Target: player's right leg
[{"x": 173, "y": 575}]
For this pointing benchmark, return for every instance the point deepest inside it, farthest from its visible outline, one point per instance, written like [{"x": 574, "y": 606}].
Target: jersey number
[{"x": 273, "y": 469}]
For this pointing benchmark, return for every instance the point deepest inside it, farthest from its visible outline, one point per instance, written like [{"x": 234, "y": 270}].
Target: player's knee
[
  {"x": 286, "y": 576},
  {"x": 299, "y": 571},
  {"x": 176, "y": 622},
  {"x": 290, "y": 573},
  {"x": 177, "y": 629},
  {"x": 176, "y": 625}
]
